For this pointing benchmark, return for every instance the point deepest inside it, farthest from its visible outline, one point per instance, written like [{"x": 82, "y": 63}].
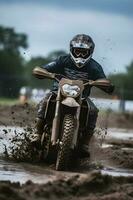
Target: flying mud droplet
[
  {"x": 100, "y": 134},
  {"x": 5, "y": 131},
  {"x": 95, "y": 147}
]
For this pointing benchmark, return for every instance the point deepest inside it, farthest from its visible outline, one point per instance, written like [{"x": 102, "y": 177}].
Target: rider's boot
[
  {"x": 84, "y": 151},
  {"x": 38, "y": 131}
]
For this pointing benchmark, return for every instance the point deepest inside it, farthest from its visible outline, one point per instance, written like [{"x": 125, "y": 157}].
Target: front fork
[
  {"x": 56, "y": 121},
  {"x": 75, "y": 136}
]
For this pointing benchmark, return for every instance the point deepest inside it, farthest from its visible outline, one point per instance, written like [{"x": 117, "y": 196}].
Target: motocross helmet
[{"x": 81, "y": 49}]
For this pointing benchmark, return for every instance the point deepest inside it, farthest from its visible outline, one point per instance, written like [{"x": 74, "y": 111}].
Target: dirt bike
[{"x": 65, "y": 117}]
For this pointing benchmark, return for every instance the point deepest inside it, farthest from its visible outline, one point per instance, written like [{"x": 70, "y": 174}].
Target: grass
[{"x": 6, "y": 101}]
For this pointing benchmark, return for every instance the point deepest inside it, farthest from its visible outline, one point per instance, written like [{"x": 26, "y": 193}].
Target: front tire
[{"x": 64, "y": 154}]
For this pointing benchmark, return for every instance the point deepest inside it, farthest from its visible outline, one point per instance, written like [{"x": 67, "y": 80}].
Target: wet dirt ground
[{"x": 94, "y": 178}]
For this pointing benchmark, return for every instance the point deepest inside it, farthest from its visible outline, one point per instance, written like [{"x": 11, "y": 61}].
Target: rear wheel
[{"x": 64, "y": 154}]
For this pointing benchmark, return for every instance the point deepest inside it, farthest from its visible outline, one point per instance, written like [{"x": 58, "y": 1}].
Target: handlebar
[{"x": 42, "y": 73}]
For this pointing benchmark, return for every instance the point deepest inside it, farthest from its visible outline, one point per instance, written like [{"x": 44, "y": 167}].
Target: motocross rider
[{"x": 78, "y": 64}]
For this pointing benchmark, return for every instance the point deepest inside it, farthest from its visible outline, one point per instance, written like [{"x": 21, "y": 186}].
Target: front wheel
[{"x": 64, "y": 154}]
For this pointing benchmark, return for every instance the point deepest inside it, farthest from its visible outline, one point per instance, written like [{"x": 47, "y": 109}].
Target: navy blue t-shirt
[{"x": 65, "y": 65}]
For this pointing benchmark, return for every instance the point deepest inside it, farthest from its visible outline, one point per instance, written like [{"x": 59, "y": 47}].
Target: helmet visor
[{"x": 81, "y": 52}]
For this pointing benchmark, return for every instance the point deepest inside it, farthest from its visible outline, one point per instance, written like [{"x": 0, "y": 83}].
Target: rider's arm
[
  {"x": 108, "y": 89},
  {"x": 99, "y": 74}
]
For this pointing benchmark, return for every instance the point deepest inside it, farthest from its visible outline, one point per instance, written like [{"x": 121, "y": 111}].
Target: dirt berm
[{"x": 93, "y": 186}]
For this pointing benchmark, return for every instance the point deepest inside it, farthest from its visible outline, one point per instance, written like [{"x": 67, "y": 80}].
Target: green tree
[
  {"x": 40, "y": 61},
  {"x": 11, "y": 61},
  {"x": 124, "y": 83},
  {"x": 31, "y": 80}
]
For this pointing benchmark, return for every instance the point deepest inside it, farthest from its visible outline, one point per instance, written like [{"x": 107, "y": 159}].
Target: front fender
[{"x": 71, "y": 102}]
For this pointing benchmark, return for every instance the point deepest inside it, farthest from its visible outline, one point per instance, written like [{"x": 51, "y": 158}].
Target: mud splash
[
  {"x": 104, "y": 152},
  {"x": 16, "y": 143}
]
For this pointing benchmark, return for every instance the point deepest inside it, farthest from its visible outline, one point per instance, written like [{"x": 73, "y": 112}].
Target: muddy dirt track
[
  {"x": 22, "y": 115},
  {"x": 88, "y": 181}
]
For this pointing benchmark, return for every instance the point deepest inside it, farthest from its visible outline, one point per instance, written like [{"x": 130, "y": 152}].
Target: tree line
[
  {"x": 16, "y": 72},
  {"x": 124, "y": 83}
]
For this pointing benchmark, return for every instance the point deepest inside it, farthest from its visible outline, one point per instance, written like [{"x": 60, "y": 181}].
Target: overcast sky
[{"x": 51, "y": 25}]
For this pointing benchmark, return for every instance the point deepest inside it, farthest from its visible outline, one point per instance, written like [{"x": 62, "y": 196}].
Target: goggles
[{"x": 81, "y": 52}]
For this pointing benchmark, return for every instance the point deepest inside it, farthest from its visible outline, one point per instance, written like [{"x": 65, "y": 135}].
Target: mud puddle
[
  {"x": 20, "y": 172},
  {"x": 120, "y": 134},
  {"x": 117, "y": 172}
]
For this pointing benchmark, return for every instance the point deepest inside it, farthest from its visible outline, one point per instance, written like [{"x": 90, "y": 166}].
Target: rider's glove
[{"x": 108, "y": 89}]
